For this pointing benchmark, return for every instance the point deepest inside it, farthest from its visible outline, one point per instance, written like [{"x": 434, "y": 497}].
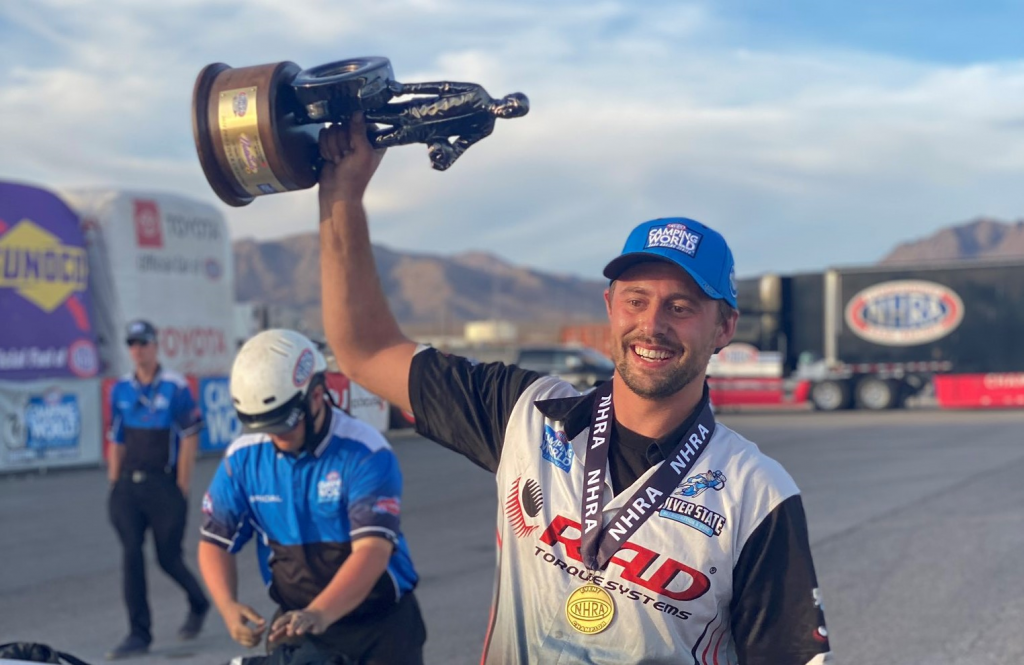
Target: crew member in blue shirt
[
  {"x": 154, "y": 435},
  {"x": 323, "y": 491}
]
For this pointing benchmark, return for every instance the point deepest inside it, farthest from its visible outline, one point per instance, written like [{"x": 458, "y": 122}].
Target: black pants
[
  {"x": 395, "y": 638},
  {"x": 156, "y": 503}
]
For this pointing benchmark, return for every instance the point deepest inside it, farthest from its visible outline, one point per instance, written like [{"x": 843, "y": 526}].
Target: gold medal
[{"x": 590, "y": 609}]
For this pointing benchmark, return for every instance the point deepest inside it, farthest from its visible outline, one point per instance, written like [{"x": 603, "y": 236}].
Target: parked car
[{"x": 583, "y": 367}]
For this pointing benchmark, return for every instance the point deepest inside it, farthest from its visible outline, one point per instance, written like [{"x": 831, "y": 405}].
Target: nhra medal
[{"x": 590, "y": 609}]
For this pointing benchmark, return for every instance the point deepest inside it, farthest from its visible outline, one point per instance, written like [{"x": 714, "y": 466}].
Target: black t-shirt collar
[{"x": 574, "y": 413}]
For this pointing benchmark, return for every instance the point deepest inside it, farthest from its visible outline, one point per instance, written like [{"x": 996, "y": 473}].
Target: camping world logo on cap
[
  {"x": 674, "y": 236},
  {"x": 904, "y": 313}
]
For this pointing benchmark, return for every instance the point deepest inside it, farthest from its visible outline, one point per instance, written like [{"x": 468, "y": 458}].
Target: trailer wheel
[
  {"x": 830, "y": 395},
  {"x": 876, "y": 394}
]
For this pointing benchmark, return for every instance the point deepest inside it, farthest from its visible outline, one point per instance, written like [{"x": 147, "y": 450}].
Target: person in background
[
  {"x": 323, "y": 490},
  {"x": 154, "y": 435}
]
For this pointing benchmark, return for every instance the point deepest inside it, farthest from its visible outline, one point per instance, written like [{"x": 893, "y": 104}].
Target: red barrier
[
  {"x": 755, "y": 392},
  {"x": 986, "y": 391}
]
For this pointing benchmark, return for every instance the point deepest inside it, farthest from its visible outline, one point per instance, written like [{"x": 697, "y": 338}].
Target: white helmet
[{"x": 272, "y": 374}]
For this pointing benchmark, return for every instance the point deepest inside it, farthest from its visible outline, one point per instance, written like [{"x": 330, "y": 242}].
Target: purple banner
[{"x": 45, "y": 311}]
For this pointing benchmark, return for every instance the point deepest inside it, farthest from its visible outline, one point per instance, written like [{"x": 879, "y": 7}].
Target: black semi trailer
[{"x": 872, "y": 336}]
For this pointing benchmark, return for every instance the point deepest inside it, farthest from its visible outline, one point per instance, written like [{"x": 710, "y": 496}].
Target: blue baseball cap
[
  {"x": 141, "y": 330},
  {"x": 697, "y": 249}
]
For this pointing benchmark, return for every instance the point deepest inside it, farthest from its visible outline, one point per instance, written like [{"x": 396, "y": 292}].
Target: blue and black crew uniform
[
  {"x": 308, "y": 509},
  {"x": 150, "y": 421}
]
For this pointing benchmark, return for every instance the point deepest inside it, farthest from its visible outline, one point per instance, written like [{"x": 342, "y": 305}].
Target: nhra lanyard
[
  {"x": 145, "y": 394},
  {"x": 599, "y": 545}
]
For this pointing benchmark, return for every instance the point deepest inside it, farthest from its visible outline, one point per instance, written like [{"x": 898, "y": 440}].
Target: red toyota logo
[{"x": 147, "y": 224}]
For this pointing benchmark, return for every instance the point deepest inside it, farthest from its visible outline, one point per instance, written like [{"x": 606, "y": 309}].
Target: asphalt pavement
[{"x": 916, "y": 522}]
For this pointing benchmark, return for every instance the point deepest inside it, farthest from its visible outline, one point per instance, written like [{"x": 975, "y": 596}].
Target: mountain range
[
  {"x": 428, "y": 293},
  {"x": 981, "y": 238},
  {"x": 433, "y": 294}
]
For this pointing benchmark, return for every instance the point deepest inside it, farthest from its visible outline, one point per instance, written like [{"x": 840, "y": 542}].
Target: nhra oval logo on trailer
[
  {"x": 904, "y": 313},
  {"x": 739, "y": 352}
]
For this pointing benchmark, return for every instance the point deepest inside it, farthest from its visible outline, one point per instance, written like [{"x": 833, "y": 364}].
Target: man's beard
[{"x": 665, "y": 383}]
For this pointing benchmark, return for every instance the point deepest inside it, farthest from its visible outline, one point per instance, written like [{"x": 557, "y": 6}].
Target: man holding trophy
[
  {"x": 611, "y": 548},
  {"x": 634, "y": 527}
]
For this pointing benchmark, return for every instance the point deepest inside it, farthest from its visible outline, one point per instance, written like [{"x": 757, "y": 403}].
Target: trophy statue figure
[
  {"x": 256, "y": 127},
  {"x": 459, "y": 115}
]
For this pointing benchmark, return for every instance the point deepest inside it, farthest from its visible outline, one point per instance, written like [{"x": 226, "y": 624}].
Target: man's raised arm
[{"x": 360, "y": 328}]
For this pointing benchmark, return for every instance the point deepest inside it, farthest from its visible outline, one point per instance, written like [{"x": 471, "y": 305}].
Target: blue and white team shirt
[
  {"x": 151, "y": 420},
  {"x": 309, "y": 508}
]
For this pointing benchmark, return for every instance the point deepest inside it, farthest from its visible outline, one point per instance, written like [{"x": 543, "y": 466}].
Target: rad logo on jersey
[
  {"x": 207, "y": 504},
  {"x": 556, "y": 449},
  {"x": 674, "y": 236},
  {"x": 329, "y": 489},
  {"x": 635, "y": 563},
  {"x": 522, "y": 506}
]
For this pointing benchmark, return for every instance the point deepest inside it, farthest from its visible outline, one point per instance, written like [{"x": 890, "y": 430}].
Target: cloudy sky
[{"x": 809, "y": 132}]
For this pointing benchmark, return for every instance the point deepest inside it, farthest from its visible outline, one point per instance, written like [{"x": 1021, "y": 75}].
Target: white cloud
[{"x": 801, "y": 158}]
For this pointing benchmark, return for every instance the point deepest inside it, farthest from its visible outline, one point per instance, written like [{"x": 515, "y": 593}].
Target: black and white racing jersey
[{"x": 720, "y": 573}]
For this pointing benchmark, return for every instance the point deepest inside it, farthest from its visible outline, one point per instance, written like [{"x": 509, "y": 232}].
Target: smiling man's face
[{"x": 664, "y": 329}]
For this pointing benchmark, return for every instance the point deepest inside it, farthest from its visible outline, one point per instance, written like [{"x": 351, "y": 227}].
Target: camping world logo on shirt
[
  {"x": 556, "y": 449},
  {"x": 329, "y": 489},
  {"x": 904, "y": 313}
]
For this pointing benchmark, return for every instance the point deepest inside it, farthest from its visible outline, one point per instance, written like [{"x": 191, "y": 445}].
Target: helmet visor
[{"x": 283, "y": 419}]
